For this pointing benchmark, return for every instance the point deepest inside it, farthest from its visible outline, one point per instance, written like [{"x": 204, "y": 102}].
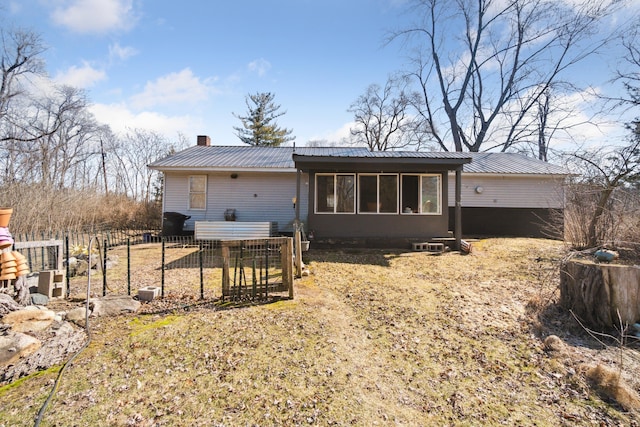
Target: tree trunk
[
  {"x": 593, "y": 240},
  {"x": 601, "y": 295}
]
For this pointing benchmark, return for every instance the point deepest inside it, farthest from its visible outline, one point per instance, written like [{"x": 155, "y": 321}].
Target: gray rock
[
  {"x": 29, "y": 319},
  {"x": 76, "y": 315},
  {"x": 113, "y": 306},
  {"x": 16, "y": 345},
  {"x": 39, "y": 299},
  {"x": 7, "y": 304}
]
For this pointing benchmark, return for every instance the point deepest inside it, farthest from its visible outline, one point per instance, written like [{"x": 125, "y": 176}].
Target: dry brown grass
[
  {"x": 608, "y": 382},
  {"x": 372, "y": 338}
]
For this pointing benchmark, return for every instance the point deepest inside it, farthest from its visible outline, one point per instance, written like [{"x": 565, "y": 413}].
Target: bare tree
[
  {"x": 483, "y": 66},
  {"x": 631, "y": 77},
  {"x": 383, "y": 119},
  {"x": 604, "y": 172},
  {"x": 52, "y": 138},
  {"x": 20, "y": 57},
  {"x": 128, "y": 161}
]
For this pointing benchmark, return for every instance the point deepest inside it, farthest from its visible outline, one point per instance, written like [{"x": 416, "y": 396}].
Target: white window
[
  {"x": 198, "y": 192},
  {"x": 335, "y": 193},
  {"x": 422, "y": 194}
]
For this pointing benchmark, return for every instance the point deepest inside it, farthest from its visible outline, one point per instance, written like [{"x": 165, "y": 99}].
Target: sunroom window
[
  {"x": 422, "y": 194},
  {"x": 335, "y": 193},
  {"x": 378, "y": 193}
]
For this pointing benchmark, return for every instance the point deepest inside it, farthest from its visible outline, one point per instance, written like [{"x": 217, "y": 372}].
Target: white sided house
[{"x": 381, "y": 198}]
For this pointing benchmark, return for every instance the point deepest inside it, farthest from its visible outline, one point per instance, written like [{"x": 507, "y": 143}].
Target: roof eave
[
  {"x": 222, "y": 169},
  {"x": 303, "y": 159},
  {"x": 518, "y": 174}
]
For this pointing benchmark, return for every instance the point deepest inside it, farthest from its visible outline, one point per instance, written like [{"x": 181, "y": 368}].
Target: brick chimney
[{"x": 204, "y": 140}]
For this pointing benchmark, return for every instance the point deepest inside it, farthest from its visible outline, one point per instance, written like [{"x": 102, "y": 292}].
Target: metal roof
[
  {"x": 224, "y": 157},
  {"x": 281, "y": 158},
  {"x": 511, "y": 163}
]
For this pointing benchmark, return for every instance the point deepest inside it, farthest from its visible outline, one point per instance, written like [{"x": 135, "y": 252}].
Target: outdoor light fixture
[
  {"x": 293, "y": 199},
  {"x": 234, "y": 175}
]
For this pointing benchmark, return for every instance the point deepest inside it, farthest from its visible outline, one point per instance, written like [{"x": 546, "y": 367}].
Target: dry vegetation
[
  {"x": 41, "y": 208},
  {"x": 372, "y": 338}
]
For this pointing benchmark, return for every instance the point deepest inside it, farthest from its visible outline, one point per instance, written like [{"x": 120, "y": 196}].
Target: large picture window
[
  {"x": 198, "y": 192},
  {"x": 422, "y": 194},
  {"x": 378, "y": 193},
  {"x": 335, "y": 193}
]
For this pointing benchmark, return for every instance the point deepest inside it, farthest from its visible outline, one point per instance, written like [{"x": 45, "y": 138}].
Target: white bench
[{"x": 233, "y": 230}]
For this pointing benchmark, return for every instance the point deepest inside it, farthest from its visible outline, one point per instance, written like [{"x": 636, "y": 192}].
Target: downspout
[{"x": 457, "y": 234}]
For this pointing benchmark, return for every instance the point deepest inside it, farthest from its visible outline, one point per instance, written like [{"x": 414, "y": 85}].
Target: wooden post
[
  {"x": 298, "y": 248},
  {"x": 458, "y": 209},
  {"x": 287, "y": 254}
]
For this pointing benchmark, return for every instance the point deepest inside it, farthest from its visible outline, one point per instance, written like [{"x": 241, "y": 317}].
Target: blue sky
[{"x": 187, "y": 66}]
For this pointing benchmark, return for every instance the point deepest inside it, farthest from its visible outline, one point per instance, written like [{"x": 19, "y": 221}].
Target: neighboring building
[{"x": 352, "y": 193}]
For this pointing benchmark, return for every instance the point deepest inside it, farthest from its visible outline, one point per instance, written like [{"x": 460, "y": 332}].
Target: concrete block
[
  {"x": 51, "y": 283},
  {"x": 428, "y": 247},
  {"x": 148, "y": 293}
]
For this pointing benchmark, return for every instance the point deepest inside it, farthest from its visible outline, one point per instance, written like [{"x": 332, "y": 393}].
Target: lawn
[{"x": 373, "y": 337}]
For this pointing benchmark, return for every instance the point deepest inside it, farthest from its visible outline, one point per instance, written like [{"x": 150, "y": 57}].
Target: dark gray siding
[{"x": 518, "y": 222}]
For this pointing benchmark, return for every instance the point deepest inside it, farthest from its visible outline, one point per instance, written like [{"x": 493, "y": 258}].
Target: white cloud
[
  {"x": 94, "y": 16},
  {"x": 121, "y": 52},
  {"x": 259, "y": 66},
  {"x": 180, "y": 87},
  {"x": 83, "y": 77},
  {"x": 15, "y": 7},
  {"x": 335, "y": 136},
  {"x": 120, "y": 118}
]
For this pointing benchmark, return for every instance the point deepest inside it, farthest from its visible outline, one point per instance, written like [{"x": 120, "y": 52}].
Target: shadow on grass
[
  {"x": 553, "y": 319},
  {"x": 216, "y": 304},
  {"x": 359, "y": 256}
]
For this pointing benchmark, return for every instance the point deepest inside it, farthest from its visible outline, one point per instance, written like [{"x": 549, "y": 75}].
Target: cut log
[{"x": 597, "y": 293}]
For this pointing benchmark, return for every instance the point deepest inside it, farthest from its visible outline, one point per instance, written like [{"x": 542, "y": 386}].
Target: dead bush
[
  {"x": 608, "y": 383},
  {"x": 41, "y": 208}
]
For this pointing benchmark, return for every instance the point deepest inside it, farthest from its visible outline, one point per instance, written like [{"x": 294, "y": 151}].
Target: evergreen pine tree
[{"x": 259, "y": 127}]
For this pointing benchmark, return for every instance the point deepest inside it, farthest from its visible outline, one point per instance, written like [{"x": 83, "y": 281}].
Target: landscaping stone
[
  {"x": 113, "y": 306},
  {"x": 16, "y": 345},
  {"x": 29, "y": 319},
  {"x": 76, "y": 315},
  {"x": 7, "y": 304},
  {"x": 39, "y": 299}
]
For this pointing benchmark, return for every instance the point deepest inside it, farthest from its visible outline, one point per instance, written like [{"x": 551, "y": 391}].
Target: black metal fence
[{"x": 123, "y": 262}]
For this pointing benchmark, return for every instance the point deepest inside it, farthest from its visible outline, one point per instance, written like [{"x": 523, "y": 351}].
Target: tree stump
[{"x": 597, "y": 293}]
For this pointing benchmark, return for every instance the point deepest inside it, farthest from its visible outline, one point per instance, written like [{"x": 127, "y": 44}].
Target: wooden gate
[{"x": 255, "y": 269}]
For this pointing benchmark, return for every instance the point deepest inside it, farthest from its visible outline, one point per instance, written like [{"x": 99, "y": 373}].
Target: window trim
[
  {"x": 190, "y": 192},
  {"x": 439, "y": 195},
  {"x": 335, "y": 189},
  {"x": 378, "y": 175}
]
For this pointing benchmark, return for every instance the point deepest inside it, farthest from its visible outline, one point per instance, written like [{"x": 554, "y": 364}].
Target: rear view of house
[{"x": 352, "y": 194}]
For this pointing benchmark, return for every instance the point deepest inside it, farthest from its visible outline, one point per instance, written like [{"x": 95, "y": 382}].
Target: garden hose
[{"x": 43, "y": 408}]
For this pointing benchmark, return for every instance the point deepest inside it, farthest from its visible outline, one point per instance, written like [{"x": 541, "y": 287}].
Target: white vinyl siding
[
  {"x": 508, "y": 191},
  {"x": 254, "y": 196}
]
